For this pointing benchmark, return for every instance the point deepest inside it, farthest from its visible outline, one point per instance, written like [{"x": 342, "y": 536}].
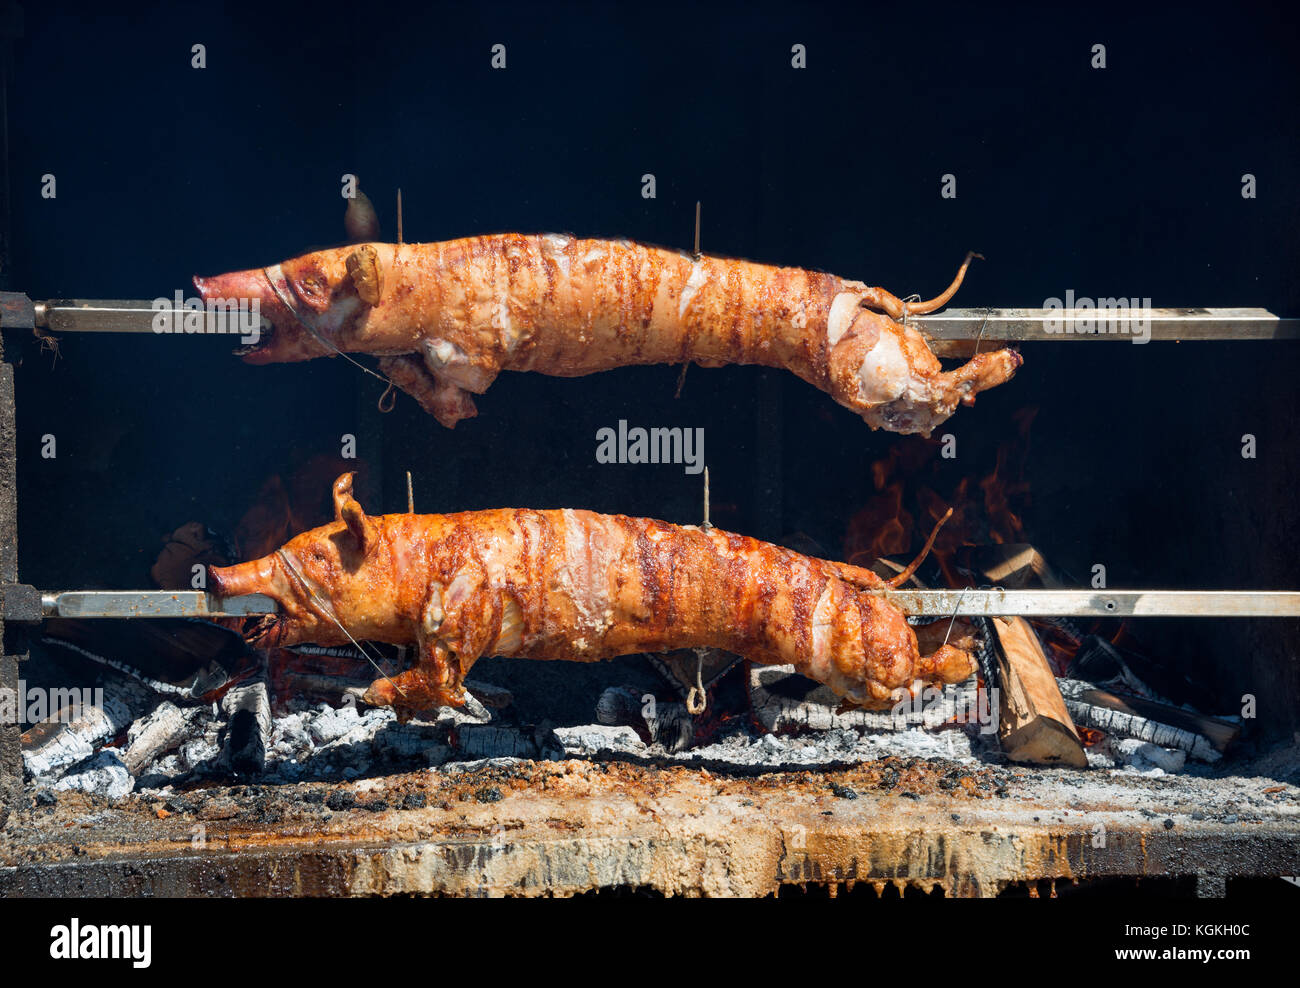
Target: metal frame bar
[{"x": 11, "y": 765}]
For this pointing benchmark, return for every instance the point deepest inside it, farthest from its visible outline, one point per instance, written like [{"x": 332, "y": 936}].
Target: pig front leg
[
  {"x": 458, "y": 624},
  {"x": 445, "y": 401},
  {"x": 434, "y": 681}
]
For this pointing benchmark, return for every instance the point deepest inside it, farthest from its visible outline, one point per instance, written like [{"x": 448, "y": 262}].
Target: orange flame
[
  {"x": 280, "y": 511},
  {"x": 905, "y": 497}
]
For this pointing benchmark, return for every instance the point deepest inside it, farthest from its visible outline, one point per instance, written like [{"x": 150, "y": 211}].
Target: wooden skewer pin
[{"x": 681, "y": 378}]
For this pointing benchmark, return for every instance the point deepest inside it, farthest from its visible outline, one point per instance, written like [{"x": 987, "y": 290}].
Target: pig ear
[
  {"x": 348, "y": 511},
  {"x": 367, "y": 277}
]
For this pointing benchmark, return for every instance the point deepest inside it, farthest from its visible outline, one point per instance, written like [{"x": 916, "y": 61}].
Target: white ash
[
  {"x": 829, "y": 748},
  {"x": 103, "y": 775},
  {"x": 348, "y": 739},
  {"x": 326, "y": 727},
  {"x": 331, "y": 739},
  {"x": 598, "y": 739},
  {"x": 741, "y": 749},
  {"x": 1133, "y": 757},
  {"x": 319, "y": 741}
]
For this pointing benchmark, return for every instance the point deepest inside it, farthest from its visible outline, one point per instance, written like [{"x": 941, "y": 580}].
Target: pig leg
[
  {"x": 434, "y": 681},
  {"x": 459, "y": 623},
  {"x": 445, "y": 401}
]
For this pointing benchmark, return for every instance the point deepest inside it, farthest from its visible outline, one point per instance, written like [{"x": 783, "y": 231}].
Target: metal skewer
[
  {"x": 73, "y": 315},
  {"x": 932, "y": 603},
  {"x": 1189, "y": 323},
  {"x": 1097, "y": 603},
  {"x": 151, "y": 604}
]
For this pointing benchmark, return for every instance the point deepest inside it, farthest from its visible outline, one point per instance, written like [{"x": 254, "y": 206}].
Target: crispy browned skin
[
  {"x": 446, "y": 318},
  {"x": 580, "y": 586}
]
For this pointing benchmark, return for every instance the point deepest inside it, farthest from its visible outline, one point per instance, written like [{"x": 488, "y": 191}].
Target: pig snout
[{"x": 256, "y": 576}]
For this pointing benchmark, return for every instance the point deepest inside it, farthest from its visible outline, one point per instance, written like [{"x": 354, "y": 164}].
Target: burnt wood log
[
  {"x": 177, "y": 657},
  {"x": 785, "y": 702},
  {"x": 492, "y": 741},
  {"x": 247, "y": 735},
  {"x": 1015, "y": 566},
  {"x": 165, "y": 728},
  {"x": 1204, "y": 738},
  {"x": 657, "y": 721},
  {"x": 72, "y": 732},
  {"x": 1098, "y": 661}
]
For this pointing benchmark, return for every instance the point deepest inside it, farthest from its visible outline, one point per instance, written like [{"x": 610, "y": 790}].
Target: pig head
[
  {"x": 317, "y": 579},
  {"x": 363, "y": 578},
  {"x": 314, "y": 303}
]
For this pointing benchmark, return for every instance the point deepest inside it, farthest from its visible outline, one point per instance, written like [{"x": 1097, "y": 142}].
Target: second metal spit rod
[
  {"x": 995, "y": 324},
  {"x": 1016, "y": 325},
  {"x": 921, "y": 603},
  {"x": 1097, "y": 603}
]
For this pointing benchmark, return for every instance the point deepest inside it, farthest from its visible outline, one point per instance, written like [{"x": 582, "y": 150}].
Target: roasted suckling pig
[
  {"x": 446, "y": 318},
  {"x": 580, "y": 586}
]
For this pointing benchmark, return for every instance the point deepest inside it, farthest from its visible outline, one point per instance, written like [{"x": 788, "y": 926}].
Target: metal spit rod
[
  {"x": 151, "y": 604},
  {"x": 1016, "y": 325},
  {"x": 992, "y": 325},
  {"x": 921, "y": 603},
  {"x": 1097, "y": 603},
  {"x": 79, "y": 315}
]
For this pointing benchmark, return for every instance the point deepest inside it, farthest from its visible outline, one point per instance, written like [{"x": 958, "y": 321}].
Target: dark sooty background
[{"x": 1124, "y": 181}]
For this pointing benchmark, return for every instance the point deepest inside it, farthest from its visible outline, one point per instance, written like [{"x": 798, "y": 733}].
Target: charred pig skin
[
  {"x": 581, "y": 586},
  {"x": 446, "y": 318}
]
